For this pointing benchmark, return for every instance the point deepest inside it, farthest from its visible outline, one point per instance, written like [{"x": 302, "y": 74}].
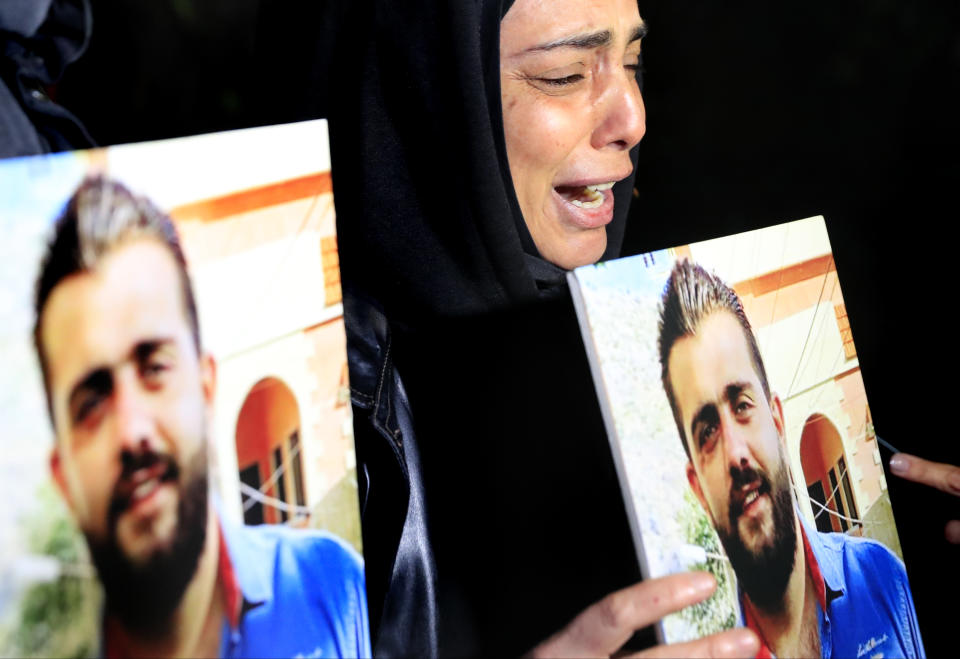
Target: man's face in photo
[
  {"x": 737, "y": 469},
  {"x": 130, "y": 398}
]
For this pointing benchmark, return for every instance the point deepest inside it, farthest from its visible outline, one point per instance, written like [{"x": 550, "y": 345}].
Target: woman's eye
[
  {"x": 634, "y": 62},
  {"x": 565, "y": 80}
]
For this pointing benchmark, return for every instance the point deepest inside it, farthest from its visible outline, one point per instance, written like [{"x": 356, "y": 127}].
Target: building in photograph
[{"x": 265, "y": 268}]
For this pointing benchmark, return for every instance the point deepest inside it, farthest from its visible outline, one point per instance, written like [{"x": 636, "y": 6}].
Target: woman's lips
[{"x": 585, "y": 207}]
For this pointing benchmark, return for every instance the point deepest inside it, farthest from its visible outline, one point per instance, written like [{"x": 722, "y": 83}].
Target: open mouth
[
  {"x": 584, "y": 196},
  {"x": 744, "y": 500},
  {"x": 139, "y": 484}
]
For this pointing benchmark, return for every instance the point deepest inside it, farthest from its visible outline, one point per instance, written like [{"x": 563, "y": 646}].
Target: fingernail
[
  {"x": 899, "y": 464},
  {"x": 953, "y": 480},
  {"x": 740, "y": 643},
  {"x": 704, "y": 583},
  {"x": 952, "y": 532}
]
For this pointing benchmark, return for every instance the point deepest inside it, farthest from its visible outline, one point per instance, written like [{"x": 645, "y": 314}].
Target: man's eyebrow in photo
[
  {"x": 734, "y": 389},
  {"x": 708, "y": 412},
  {"x": 99, "y": 381},
  {"x": 146, "y": 349}
]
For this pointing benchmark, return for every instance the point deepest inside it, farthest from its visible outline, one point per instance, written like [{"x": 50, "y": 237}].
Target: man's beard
[
  {"x": 763, "y": 574},
  {"x": 144, "y": 595}
]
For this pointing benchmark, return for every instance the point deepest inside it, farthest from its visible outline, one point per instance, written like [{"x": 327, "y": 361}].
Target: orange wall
[
  {"x": 268, "y": 416},
  {"x": 778, "y": 304},
  {"x": 855, "y": 405},
  {"x": 820, "y": 448},
  {"x": 328, "y": 368},
  {"x": 210, "y": 241}
]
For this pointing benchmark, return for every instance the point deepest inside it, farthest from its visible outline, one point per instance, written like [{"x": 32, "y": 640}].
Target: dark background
[{"x": 758, "y": 113}]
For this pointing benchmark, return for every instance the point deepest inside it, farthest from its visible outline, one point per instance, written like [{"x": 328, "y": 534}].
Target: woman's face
[{"x": 571, "y": 111}]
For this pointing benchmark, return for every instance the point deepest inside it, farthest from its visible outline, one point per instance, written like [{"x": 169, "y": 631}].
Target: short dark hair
[
  {"x": 100, "y": 216},
  {"x": 689, "y": 296}
]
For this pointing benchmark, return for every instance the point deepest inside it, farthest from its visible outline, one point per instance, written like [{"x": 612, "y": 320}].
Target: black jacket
[
  {"x": 401, "y": 574},
  {"x": 492, "y": 514},
  {"x": 32, "y": 59}
]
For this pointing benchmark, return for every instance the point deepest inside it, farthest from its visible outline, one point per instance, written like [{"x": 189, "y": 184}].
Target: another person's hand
[
  {"x": 935, "y": 474},
  {"x": 603, "y": 628}
]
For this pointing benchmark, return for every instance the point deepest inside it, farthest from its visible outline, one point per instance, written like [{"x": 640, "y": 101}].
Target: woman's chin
[{"x": 583, "y": 247}]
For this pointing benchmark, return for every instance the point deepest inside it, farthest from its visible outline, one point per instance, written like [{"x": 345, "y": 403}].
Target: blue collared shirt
[
  {"x": 303, "y": 594},
  {"x": 868, "y": 608}
]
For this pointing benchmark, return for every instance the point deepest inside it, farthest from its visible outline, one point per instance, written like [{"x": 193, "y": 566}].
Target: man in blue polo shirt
[
  {"x": 803, "y": 592},
  {"x": 130, "y": 395}
]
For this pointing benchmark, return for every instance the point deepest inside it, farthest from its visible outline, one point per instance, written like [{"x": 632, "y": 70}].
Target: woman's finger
[
  {"x": 952, "y": 532},
  {"x": 732, "y": 643},
  {"x": 602, "y": 628},
  {"x": 935, "y": 474}
]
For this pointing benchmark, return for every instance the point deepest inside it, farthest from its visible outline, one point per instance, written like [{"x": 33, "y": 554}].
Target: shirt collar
[
  {"x": 232, "y": 595},
  {"x": 245, "y": 553},
  {"x": 827, "y": 563},
  {"x": 813, "y": 567}
]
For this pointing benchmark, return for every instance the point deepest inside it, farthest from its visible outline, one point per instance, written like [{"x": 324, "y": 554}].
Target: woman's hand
[
  {"x": 603, "y": 628},
  {"x": 935, "y": 474}
]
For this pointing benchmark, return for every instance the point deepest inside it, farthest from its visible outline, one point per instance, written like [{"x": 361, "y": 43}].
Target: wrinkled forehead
[{"x": 539, "y": 25}]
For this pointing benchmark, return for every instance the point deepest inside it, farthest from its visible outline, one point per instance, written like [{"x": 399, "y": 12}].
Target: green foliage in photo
[
  {"x": 719, "y": 611},
  {"x": 59, "y": 618}
]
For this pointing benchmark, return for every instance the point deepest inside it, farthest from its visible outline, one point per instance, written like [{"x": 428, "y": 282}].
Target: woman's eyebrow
[
  {"x": 589, "y": 40},
  {"x": 586, "y": 41}
]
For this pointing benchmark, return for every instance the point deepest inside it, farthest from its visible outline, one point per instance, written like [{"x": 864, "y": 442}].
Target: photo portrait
[
  {"x": 738, "y": 417},
  {"x": 176, "y": 402}
]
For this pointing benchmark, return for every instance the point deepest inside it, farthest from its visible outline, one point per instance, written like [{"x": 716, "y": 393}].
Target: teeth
[
  {"x": 601, "y": 186},
  {"x": 750, "y": 498},
  {"x": 595, "y": 201},
  {"x": 589, "y": 196},
  {"x": 145, "y": 488},
  {"x": 593, "y": 194}
]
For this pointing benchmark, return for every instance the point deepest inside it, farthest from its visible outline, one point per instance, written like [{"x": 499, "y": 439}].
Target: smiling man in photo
[
  {"x": 130, "y": 394},
  {"x": 805, "y": 593}
]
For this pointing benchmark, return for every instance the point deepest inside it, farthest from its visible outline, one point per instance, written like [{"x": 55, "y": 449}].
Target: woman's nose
[{"x": 622, "y": 121}]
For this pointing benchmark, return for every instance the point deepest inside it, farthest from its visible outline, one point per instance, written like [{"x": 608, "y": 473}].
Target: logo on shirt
[
  {"x": 864, "y": 648},
  {"x": 317, "y": 652}
]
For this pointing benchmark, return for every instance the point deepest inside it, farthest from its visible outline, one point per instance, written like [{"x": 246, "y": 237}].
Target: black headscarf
[
  {"x": 428, "y": 219},
  {"x": 518, "y": 481}
]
